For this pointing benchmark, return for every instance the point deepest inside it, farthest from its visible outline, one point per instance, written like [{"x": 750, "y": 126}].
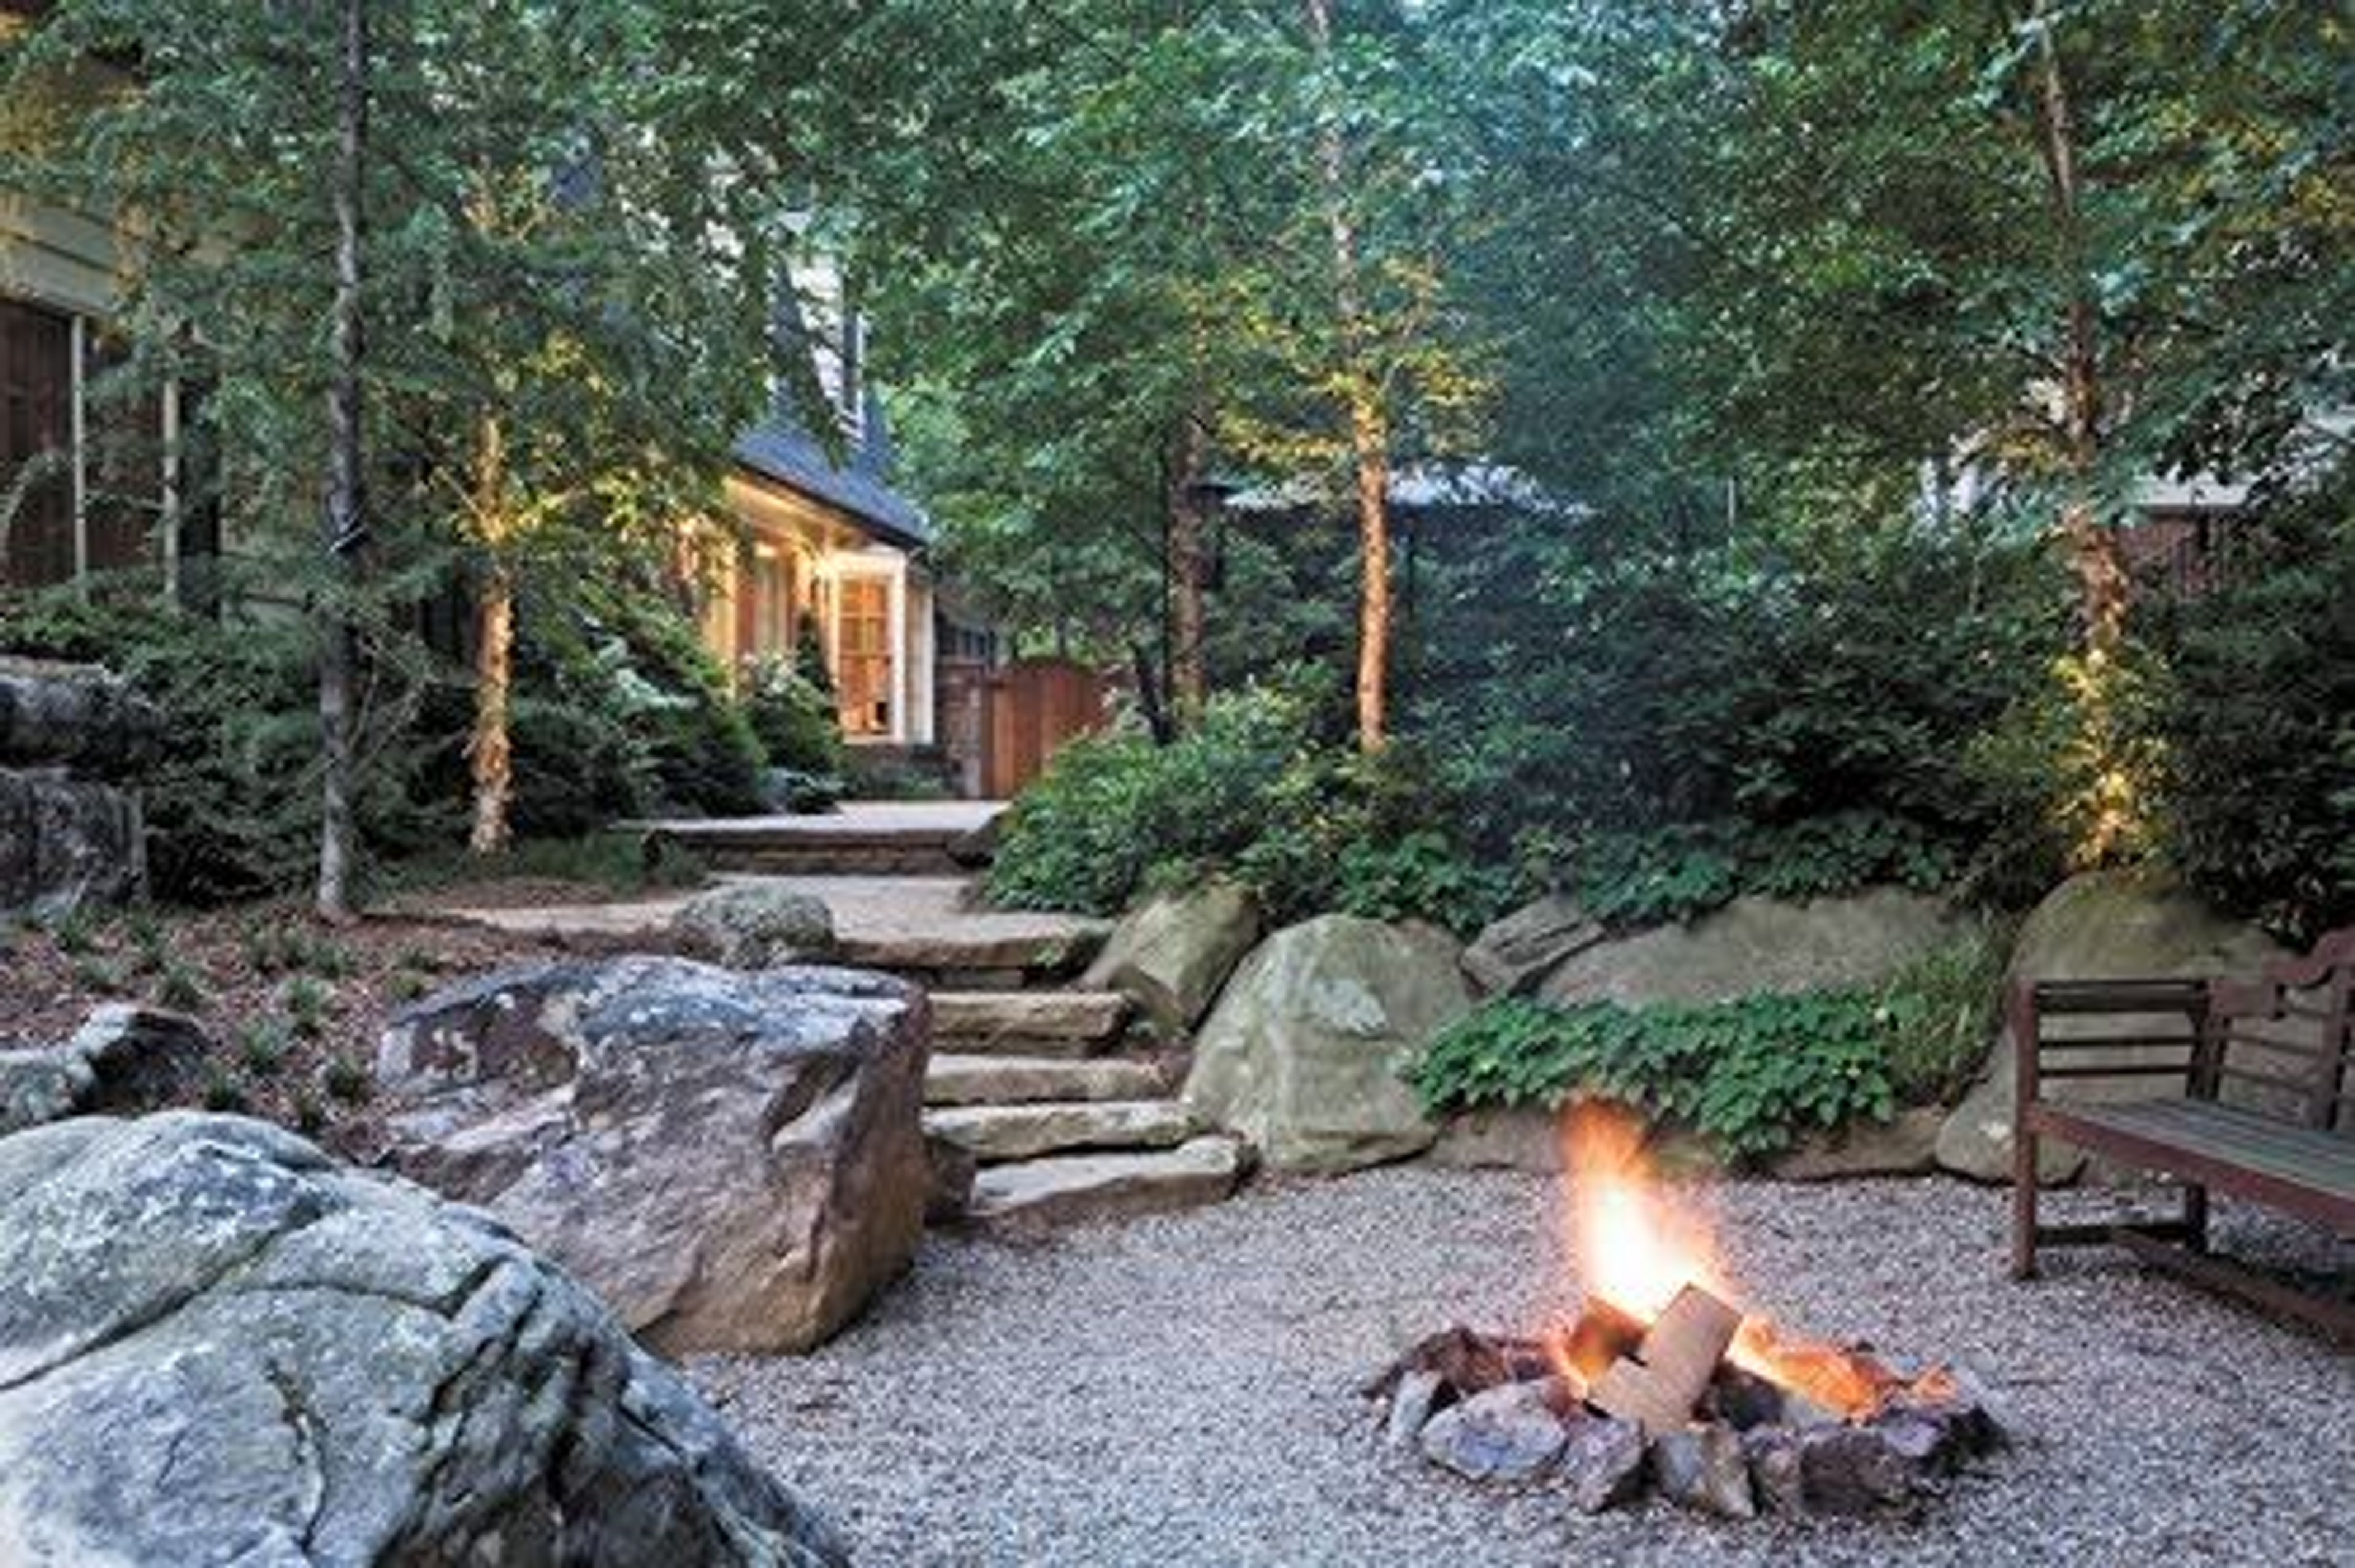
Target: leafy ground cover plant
[{"x": 1750, "y": 1074}]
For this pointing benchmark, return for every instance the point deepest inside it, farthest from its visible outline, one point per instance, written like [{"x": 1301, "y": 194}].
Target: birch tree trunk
[
  {"x": 346, "y": 526},
  {"x": 1189, "y": 619},
  {"x": 490, "y": 750},
  {"x": 2103, "y": 586},
  {"x": 1369, "y": 413}
]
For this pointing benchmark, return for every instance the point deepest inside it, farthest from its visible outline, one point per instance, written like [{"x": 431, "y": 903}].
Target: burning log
[{"x": 1659, "y": 1385}]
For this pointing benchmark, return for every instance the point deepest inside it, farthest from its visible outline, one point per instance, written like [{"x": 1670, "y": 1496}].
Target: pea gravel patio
[{"x": 1182, "y": 1390}]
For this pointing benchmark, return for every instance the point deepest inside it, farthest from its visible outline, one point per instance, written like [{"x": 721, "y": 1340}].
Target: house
[
  {"x": 827, "y": 547},
  {"x": 90, "y": 480}
]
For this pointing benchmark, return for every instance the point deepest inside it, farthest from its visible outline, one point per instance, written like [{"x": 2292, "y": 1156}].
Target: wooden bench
[{"x": 2239, "y": 1086}]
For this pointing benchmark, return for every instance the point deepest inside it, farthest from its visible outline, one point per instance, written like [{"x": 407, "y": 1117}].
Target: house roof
[{"x": 783, "y": 451}]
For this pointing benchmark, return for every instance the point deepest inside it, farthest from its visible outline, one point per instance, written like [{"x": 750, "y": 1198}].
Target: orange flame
[{"x": 1635, "y": 1248}]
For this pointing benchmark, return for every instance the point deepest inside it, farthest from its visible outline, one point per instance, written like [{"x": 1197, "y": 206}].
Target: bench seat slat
[{"x": 2304, "y": 1169}]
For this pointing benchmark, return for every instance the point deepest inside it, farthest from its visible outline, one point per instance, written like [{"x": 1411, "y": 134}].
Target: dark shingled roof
[{"x": 782, "y": 450}]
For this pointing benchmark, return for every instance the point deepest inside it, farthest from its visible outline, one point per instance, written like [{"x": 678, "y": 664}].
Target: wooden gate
[{"x": 1033, "y": 706}]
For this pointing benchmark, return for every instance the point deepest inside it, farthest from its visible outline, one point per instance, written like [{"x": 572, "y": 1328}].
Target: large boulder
[
  {"x": 755, "y": 925},
  {"x": 217, "y": 1346},
  {"x": 67, "y": 841},
  {"x": 71, "y": 735},
  {"x": 1171, "y": 954},
  {"x": 1300, "y": 1054},
  {"x": 1758, "y": 945},
  {"x": 734, "y": 1161},
  {"x": 1512, "y": 954},
  {"x": 2100, "y": 926},
  {"x": 73, "y": 715}
]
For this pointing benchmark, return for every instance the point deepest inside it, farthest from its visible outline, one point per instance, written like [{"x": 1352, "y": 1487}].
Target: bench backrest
[{"x": 2286, "y": 1038}]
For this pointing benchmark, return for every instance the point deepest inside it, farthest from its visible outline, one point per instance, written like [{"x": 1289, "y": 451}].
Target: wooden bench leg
[
  {"x": 2024, "y": 1200},
  {"x": 2195, "y": 1216}
]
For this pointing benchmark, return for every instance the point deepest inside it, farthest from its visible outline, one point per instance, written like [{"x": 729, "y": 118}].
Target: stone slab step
[
  {"x": 999, "y": 1133},
  {"x": 1071, "y": 1188},
  {"x": 942, "y": 956},
  {"x": 960, "y": 1079},
  {"x": 1027, "y": 1023}
]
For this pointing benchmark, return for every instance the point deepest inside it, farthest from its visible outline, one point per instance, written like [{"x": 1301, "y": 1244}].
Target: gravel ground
[{"x": 1181, "y": 1389}]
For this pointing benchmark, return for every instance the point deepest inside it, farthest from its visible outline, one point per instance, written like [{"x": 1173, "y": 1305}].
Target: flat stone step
[
  {"x": 1071, "y": 1188},
  {"x": 1027, "y": 1023},
  {"x": 942, "y": 957},
  {"x": 996, "y": 1134},
  {"x": 953, "y": 1079}
]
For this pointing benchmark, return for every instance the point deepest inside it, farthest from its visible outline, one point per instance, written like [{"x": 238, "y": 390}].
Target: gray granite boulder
[
  {"x": 756, "y": 925},
  {"x": 217, "y": 1346},
  {"x": 1171, "y": 954},
  {"x": 2100, "y": 926},
  {"x": 67, "y": 841},
  {"x": 1300, "y": 1054},
  {"x": 1512, "y": 954},
  {"x": 1758, "y": 945},
  {"x": 71, "y": 738},
  {"x": 73, "y": 716},
  {"x": 733, "y": 1161}
]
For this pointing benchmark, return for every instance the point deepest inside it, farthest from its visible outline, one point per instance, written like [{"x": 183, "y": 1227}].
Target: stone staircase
[
  {"x": 1061, "y": 1120},
  {"x": 1035, "y": 1087}
]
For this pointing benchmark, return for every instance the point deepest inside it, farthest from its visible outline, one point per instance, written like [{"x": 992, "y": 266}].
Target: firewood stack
[{"x": 1609, "y": 1406}]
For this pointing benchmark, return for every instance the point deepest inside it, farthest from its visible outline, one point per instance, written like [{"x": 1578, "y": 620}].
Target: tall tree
[{"x": 345, "y": 532}]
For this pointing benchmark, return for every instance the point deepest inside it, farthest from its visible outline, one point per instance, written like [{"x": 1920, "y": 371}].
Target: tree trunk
[
  {"x": 2110, "y": 804},
  {"x": 1189, "y": 650},
  {"x": 489, "y": 749},
  {"x": 1368, "y": 416},
  {"x": 346, "y": 530},
  {"x": 2103, "y": 587}
]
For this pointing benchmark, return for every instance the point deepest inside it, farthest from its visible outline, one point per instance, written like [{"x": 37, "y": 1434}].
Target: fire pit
[{"x": 1662, "y": 1383}]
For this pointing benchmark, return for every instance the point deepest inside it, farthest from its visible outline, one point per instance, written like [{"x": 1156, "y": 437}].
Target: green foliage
[
  {"x": 221, "y": 1091},
  {"x": 1423, "y": 876},
  {"x": 306, "y": 1002},
  {"x": 261, "y": 1047},
  {"x": 1793, "y": 708},
  {"x": 621, "y": 863},
  {"x": 1677, "y": 872},
  {"x": 793, "y": 717},
  {"x": 1940, "y": 1013},
  {"x": 1250, "y": 792},
  {"x": 701, "y": 745},
  {"x": 346, "y": 1079},
  {"x": 1750, "y": 1074},
  {"x": 231, "y": 798},
  {"x": 180, "y": 986},
  {"x": 2260, "y": 724}
]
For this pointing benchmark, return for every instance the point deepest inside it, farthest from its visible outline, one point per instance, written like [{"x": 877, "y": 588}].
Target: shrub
[
  {"x": 1250, "y": 792},
  {"x": 1677, "y": 872},
  {"x": 1943, "y": 1009},
  {"x": 1839, "y": 671},
  {"x": 793, "y": 718},
  {"x": 704, "y": 754},
  {"x": 2260, "y": 725},
  {"x": 1749, "y": 1074},
  {"x": 232, "y": 799}
]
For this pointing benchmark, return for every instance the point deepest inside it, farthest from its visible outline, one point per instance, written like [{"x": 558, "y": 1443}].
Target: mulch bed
[{"x": 293, "y": 1005}]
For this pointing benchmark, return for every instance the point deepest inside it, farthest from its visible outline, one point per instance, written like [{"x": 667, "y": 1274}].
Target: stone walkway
[{"x": 868, "y": 911}]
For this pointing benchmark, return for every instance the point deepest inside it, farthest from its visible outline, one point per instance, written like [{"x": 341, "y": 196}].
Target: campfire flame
[{"x": 1636, "y": 1247}]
